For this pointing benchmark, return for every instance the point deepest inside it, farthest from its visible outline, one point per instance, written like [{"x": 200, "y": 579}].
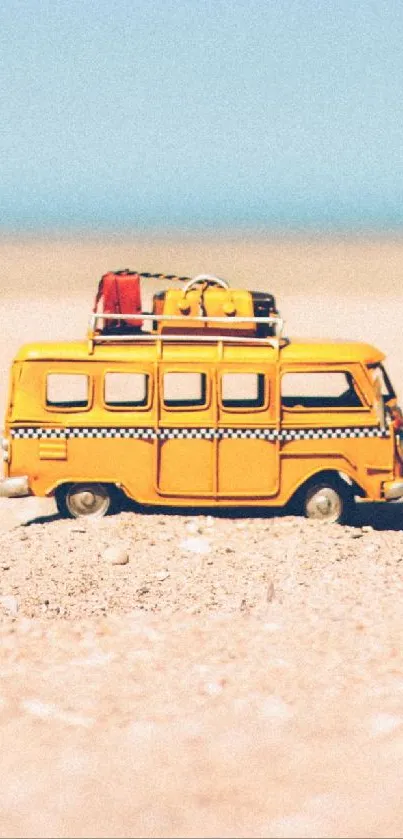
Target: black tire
[
  {"x": 86, "y": 500},
  {"x": 328, "y": 500}
]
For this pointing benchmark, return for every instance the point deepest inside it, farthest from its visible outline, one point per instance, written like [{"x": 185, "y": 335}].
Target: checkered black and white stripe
[
  {"x": 287, "y": 435},
  {"x": 248, "y": 434},
  {"x": 284, "y": 435},
  {"x": 186, "y": 433},
  {"x": 24, "y": 433}
]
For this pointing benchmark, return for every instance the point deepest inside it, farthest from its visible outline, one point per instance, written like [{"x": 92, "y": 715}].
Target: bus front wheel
[{"x": 328, "y": 501}]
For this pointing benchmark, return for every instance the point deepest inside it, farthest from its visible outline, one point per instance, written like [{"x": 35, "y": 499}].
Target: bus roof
[
  {"x": 319, "y": 349},
  {"x": 294, "y": 351}
]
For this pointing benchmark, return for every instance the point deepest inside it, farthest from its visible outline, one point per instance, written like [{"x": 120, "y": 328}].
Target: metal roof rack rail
[{"x": 97, "y": 336}]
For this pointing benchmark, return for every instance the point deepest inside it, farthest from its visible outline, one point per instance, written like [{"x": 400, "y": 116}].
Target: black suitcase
[{"x": 264, "y": 306}]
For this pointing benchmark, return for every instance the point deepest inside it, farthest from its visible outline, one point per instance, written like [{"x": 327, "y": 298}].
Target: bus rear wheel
[{"x": 85, "y": 500}]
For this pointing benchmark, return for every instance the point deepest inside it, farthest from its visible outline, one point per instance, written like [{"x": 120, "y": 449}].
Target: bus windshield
[{"x": 382, "y": 381}]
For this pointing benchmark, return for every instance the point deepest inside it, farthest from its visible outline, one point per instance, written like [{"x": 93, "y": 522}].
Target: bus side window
[
  {"x": 67, "y": 391},
  {"x": 243, "y": 390},
  {"x": 319, "y": 390},
  {"x": 184, "y": 390},
  {"x": 126, "y": 390}
]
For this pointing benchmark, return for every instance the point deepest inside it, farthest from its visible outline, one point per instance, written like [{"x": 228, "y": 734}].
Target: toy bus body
[{"x": 222, "y": 422}]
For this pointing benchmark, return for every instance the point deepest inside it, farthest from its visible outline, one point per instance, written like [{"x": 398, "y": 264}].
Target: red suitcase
[{"x": 118, "y": 293}]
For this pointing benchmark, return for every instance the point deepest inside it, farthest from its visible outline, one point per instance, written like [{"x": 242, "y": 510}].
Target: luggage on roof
[
  {"x": 209, "y": 296},
  {"x": 119, "y": 293},
  {"x": 205, "y": 305}
]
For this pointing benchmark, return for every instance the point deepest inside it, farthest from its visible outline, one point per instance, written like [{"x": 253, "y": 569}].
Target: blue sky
[{"x": 258, "y": 114}]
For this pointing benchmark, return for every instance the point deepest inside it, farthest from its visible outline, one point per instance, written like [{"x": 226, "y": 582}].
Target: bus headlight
[{"x": 399, "y": 443}]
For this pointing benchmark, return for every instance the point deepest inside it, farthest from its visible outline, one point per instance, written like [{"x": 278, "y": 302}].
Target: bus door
[
  {"x": 186, "y": 442},
  {"x": 248, "y": 445}
]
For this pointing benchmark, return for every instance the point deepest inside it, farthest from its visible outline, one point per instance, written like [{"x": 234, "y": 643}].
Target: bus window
[
  {"x": 126, "y": 390},
  {"x": 184, "y": 390},
  {"x": 242, "y": 390},
  {"x": 67, "y": 391},
  {"x": 319, "y": 390}
]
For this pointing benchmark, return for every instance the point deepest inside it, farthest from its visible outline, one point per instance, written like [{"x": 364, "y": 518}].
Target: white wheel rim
[
  {"x": 87, "y": 500},
  {"x": 325, "y": 504}
]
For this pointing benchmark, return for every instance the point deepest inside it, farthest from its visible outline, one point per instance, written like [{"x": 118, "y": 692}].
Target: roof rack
[{"x": 98, "y": 336}]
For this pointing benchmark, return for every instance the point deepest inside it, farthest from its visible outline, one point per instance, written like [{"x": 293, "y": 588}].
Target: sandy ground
[{"x": 237, "y": 675}]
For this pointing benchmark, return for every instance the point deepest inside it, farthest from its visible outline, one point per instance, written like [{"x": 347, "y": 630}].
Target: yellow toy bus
[{"x": 192, "y": 409}]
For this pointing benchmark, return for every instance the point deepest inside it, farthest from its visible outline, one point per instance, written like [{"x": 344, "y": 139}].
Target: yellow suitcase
[{"x": 208, "y": 297}]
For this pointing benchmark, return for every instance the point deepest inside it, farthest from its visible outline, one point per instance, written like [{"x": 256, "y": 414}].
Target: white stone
[
  {"x": 371, "y": 549},
  {"x": 116, "y": 555},
  {"x": 161, "y": 576},
  {"x": 9, "y": 603},
  {"x": 193, "y": 526},
  {"x": 195, "y": 544}
]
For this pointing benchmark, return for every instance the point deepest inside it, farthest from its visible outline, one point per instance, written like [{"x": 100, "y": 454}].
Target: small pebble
[
  {"x": 9, "y": 603},
  {"x": 195, "y": 544},
  {"x": 193, "y": 526},
  {"x": 214, "y": 688},
  {"x": 371, "y": 549},
  {"x": 116, "y": 555},
  {"x": 161, "y": 576}
]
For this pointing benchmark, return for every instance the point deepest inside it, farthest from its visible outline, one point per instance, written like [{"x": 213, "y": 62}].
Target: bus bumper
[{"x": 15, "y": 487}]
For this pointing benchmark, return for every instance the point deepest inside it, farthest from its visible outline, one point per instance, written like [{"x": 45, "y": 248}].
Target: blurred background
[{"x": 196, "y": 115}]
